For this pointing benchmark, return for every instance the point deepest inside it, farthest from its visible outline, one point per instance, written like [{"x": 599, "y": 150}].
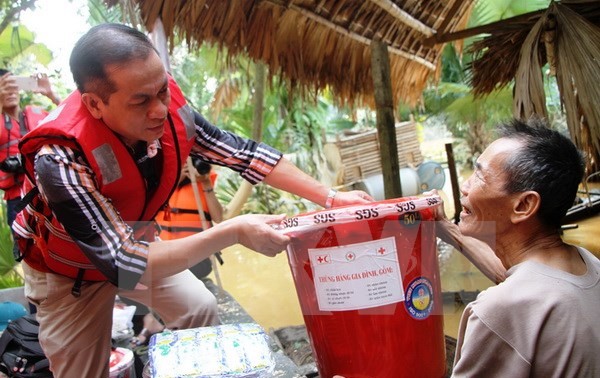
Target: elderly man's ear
[{"x": 525, "y": 206}]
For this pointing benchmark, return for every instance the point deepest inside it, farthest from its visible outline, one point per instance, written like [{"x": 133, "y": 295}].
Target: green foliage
[
  {"x": 193, "y": 76},
  {"x": 100, "y": 13},
  {"x": 437, "y": 98},
  {"x": 264, "y": 199},
  {"x": 290, "y": 125},
  {"x": 18, "y": 41},
  {"x": 453, "y": 68},
  {"x": 10, "y": 10},
  {"x": 488, "y": 11},
  {"x": 488, "y": 110},
  {"x": 9, "y": 277}
]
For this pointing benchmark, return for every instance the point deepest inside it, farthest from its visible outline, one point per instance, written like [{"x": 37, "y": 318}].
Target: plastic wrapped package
[
  {"x": 368, "y": 283},
  {"x": 230, "y": 350}
]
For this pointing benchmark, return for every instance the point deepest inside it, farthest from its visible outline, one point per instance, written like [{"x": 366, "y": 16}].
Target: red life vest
[
  {"x": 9, "y": 141},
  {"x": 180, "y": 217},
  {"x": 43, "y": 241}
]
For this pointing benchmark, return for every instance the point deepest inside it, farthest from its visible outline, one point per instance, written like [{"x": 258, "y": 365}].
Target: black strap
[
  {"x": 218, "y": 257},
  {"x": 147, "y": 167},
  {"x": 7, "y": 122},
  {"x": 8, "y": 126},
  {"x": 22, "y": 126},
  {"x": 27, "y": 199},
  {"x": 76, "y": 290},
  {"x": 181, "y": 229},
  {"x": 4, "y": 341},
  {"x": 23, "y": 123},
  {"x": 177, "y": 210},
  {"x": 41, "y": 365}
]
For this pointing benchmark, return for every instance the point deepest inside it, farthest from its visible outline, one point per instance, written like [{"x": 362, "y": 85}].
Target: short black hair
[
  {"x": 102, "y": 45},
  {"x": 3, "y": 71},
  {"x": 548, "y": 163}
]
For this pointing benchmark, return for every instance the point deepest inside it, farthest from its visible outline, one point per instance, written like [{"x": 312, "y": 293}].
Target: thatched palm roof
[
  {"x": 567, "y": 34},
  {"x": 319, "y": 43}
]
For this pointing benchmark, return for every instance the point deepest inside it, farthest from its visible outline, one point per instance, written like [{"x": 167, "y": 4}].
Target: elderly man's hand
[{"x": 440, "y": 213}]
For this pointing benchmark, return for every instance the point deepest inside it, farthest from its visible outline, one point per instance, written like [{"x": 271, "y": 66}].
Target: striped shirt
[{"x": 67, "y": 184}]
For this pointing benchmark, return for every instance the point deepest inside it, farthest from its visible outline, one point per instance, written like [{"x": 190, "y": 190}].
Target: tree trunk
[{"x": 386, "y": 131}]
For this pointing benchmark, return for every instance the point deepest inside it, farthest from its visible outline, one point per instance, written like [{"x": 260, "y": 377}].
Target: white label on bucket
[{"x": 357, "y": 276}]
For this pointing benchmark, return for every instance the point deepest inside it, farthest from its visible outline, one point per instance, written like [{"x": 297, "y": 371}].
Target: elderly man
[{"x": 542, "y": 320}]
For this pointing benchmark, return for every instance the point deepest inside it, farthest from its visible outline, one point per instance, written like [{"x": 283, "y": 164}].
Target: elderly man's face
[{"x": 486, "y": 205}]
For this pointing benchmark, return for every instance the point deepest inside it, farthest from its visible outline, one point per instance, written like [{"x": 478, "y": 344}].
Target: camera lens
[
  {"x": 201, "y": 166},
  {"x": 11, "y": 164}
]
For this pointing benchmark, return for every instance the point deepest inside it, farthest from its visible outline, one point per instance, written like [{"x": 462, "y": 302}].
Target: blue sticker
[{"x": 419, "y": 298}]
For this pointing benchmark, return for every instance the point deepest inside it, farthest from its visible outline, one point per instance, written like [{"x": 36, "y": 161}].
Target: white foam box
[{"x": 229, "y": 350}]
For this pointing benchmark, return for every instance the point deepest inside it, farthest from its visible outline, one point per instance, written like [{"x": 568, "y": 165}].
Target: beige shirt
[{"x": 540, "y": 322}]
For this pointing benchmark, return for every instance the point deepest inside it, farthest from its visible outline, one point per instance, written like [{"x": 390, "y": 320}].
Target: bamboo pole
[
  {"x": 205, "y": 223},
  {"x": 404, "y": 17},
  {"x": 454, "y": 182},
  {"x": 159, "y": 40}
]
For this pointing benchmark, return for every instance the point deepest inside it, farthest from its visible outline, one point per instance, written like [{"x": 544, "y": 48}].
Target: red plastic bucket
[
  {"x": 121, "y": 363},
  {"x": 368, "y": 283}
]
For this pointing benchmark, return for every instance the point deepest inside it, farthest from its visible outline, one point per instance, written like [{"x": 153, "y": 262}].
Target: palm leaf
[
  {"x": 577, "y": 55},
  {"x": 530, "y": 97},
  {"x": 19, "y": 40},
  {"x": 488, "y": 11}
]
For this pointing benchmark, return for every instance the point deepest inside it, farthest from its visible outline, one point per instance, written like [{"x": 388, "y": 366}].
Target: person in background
[
  {"x": 14, "y": 124},
  {"x": 541, "y": 321},
  {"x": 181, "y": 217},
  {"x": 99, "y": 170}
]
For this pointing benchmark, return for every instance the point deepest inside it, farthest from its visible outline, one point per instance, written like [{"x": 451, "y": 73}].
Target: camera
[
  {"x": 201, "y": 166},
  {"x": 12, "y": 164}
]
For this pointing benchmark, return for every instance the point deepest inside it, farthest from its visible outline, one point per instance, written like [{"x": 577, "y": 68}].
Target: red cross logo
[
  {"x": 381, "y": 251},
  {"x": 350, "y": 256},
  {"x": 323, "y": 259}
]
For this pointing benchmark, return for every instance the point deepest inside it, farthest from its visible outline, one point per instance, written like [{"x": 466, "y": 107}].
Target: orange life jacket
[
  {"x": 180, "y": 217},
  {"x": 42, "y": 239},
  {"x": 10, "y": 134}
]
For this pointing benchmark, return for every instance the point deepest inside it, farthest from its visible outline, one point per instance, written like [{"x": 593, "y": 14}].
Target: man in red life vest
[
  {"x": 15, "y": 122},
  {"x": 99, "y": 168}
]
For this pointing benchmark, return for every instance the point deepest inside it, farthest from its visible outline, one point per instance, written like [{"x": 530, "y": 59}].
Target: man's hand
[
  {"x": 255, "y": 231},
  {"x": 354, "y": 197}
]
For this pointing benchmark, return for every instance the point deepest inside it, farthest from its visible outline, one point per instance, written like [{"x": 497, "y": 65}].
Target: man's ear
[
  {"x": 93, "y": 103},
  {"x": 525, "y": 206}
]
